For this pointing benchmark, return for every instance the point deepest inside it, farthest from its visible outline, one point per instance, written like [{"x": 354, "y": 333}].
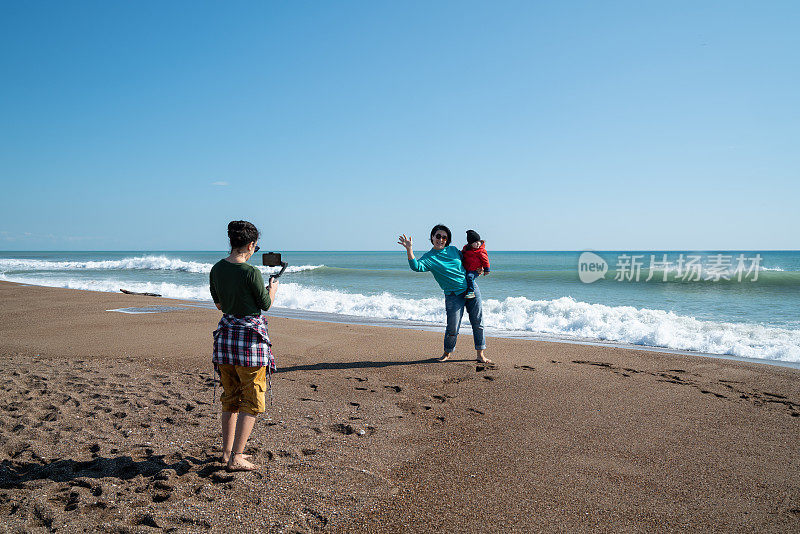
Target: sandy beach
[{"x": 108, "y": 423}]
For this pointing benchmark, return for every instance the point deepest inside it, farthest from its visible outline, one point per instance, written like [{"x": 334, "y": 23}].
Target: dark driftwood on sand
[{"x": 137, "y": 293}]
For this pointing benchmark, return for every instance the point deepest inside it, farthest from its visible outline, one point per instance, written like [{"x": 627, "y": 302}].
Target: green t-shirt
[{"x": 238, "y": 288}]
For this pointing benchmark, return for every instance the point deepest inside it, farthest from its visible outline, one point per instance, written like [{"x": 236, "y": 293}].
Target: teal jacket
[{"x": 446, "y": 267}]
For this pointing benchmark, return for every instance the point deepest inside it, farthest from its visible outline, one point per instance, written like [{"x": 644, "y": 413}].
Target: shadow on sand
[
  {"x": 366, "y": 364},
  {"x": 14, "y": 474}
]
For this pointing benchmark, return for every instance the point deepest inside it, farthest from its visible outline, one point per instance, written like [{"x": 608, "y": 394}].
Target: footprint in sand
[
  {"x": 718, "y": 395},
  {"x": 220, "y": 478},
  {"x": 349, "y": 429}
]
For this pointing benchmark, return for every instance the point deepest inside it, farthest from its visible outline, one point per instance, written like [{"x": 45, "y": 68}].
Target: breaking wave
[
  {"x": 153, "y": 263},
  {"x": 566, "y": 317}
]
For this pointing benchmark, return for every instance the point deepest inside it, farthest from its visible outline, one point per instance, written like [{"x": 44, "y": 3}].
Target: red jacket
[{"x": 475, "y": 258}]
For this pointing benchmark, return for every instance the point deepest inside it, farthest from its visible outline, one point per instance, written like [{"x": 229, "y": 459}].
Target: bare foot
[
  {"x": 445, "y": 357},
  {"x": 226, "y": 456},
  {"x": 483, "y": 359},
  {"x": 238, "y": 463}
]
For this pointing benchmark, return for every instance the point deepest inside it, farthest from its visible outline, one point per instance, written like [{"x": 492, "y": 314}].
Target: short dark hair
[
  {"x": 241, "y": 233},
  {"x": 446, "y": 230}
]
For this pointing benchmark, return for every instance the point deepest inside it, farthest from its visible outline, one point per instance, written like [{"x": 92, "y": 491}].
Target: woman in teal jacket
[{"x": 444, "y": 262}]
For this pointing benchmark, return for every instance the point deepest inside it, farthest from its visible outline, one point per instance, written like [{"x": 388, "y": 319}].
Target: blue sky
[{"x": 338, "y": 125}]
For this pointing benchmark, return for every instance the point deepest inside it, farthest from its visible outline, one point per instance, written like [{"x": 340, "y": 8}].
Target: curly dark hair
[
  {"x": 445, "y": 229},
  {"x": 241, "y": 233}
]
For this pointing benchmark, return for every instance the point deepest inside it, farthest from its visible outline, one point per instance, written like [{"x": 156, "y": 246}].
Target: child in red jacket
[{"x": 474, "y": 257}]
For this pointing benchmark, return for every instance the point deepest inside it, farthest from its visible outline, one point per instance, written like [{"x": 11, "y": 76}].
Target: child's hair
[
  {"x": 241, "y": 233},
  {"x": 445, "y": 229}
]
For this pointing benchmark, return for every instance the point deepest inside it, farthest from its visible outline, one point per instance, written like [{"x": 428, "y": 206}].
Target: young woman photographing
[{"x": 241, "y": 342}]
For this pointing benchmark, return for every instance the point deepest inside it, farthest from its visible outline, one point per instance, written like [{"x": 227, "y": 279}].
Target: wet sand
[{"x": 107, "y": 422}]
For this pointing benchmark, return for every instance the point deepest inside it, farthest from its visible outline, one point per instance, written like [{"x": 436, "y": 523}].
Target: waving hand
[{"x": 406, "y": 242}]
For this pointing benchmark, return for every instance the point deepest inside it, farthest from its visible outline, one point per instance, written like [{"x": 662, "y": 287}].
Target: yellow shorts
[{"x": 243, "y": 388}]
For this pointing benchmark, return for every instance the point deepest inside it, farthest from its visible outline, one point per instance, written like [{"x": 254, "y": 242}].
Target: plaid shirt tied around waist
[{"x": 243, "y": 341}]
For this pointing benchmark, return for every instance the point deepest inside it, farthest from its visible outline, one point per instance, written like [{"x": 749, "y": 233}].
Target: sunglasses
[
  {"x": 440, "y": 236},
  {"x": 257, "y": 249}
]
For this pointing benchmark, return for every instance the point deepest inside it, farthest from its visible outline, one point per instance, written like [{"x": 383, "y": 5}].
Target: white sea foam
[
  {"x": 641, "y": 326},
  {"x": 384, "y": 305},
  {"x": 289, "y": 269},
  {"x": 566, "y": 317},
  {"x": 157, "y": 263},
  {"x": 165, "y": 289},
  {"x": 563, "y": 317}
]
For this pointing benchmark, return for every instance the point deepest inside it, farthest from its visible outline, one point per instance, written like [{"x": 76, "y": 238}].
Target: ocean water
[{"x": 738, "y": 303}]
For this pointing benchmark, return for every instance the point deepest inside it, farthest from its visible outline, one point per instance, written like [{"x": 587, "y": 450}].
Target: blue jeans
[
  {"x": 454, "y": 306},
  {"x": 471, "y": 276}
]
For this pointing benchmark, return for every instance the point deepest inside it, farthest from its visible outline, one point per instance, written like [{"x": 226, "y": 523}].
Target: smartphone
[{"x": 271, "y": 259}]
